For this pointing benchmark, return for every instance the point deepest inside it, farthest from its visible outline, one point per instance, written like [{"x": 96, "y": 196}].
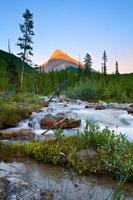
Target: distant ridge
[{"x": 59, "y": 60}]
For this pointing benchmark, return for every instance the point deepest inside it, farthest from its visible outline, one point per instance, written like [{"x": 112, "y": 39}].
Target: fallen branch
[{"x": 56, "y": 93}]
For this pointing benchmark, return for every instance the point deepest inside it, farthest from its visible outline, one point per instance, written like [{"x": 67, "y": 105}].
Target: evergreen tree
[
  {"x": 25, "y": 41},
  {"x": 12, "y": 70},
  {"x": 116, "y": 68},
  {"x": 87, "y": 63},
  {"x": 102, "y": 69},
  {"x": 104, "y": 58},
  {"x": 79, "y": 72},
  {"x": 12, "y": 74}
]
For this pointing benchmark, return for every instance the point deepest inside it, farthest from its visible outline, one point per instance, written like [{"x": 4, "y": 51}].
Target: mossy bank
[{"x": 15, "y": 107}]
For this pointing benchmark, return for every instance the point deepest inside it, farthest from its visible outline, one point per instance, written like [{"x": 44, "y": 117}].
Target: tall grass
[{"x": 16, "y": 107}]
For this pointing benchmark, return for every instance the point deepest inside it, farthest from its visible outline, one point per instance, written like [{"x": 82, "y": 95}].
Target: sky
[{"x": 76, "y": 27}]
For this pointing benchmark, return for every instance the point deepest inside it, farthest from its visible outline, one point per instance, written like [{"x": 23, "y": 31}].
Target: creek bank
[{"x": 18, "y": 107}]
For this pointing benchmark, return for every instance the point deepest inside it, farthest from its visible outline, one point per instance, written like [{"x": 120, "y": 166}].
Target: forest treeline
[
  {"x": 16, "y": 74},
  {"x": 79, "y": 83}
]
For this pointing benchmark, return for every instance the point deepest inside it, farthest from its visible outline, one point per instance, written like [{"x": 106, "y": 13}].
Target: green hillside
[
  {"x": 5, "y": 57},
  {"x": 10, "y": 71}
]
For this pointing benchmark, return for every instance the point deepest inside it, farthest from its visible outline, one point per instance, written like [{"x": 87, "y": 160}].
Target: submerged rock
[
  {"x": 14, "y": 184},
  {"x": 130, "y": 110},
  {"x": 14, "y": 188},
  {"x": 61, "y": 120}
]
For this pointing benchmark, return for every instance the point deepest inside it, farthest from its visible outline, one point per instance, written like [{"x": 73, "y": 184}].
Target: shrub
[
  {"x": 109, "y": 88},
  {"x": 91, "y": 151},
  {"x": 85, "y": 161},
  {"x": 116, "y": 155}
]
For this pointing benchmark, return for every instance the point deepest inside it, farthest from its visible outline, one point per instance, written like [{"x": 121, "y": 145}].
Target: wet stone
[
  {"x": 61, "y": 120},
  {"x": 17, "y": 134}
]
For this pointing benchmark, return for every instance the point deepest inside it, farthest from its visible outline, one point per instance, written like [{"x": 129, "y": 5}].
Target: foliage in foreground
[{"x": 93, "y": 151}]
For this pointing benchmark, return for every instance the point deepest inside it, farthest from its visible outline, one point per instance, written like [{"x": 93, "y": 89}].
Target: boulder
[
  {"x": 80, "y": 102},
  {"x": 62, "y": 159},
  {"x": 101, "y": 105},
  {"x": 45, "y": 103},
  {"x": 131, "y": 106},
  {"x": 130, "y": 110},
  {"x": 61, "y": 120},
  {"x": 87, "y": 106},
  {"x": 16, "y": 134},
  {"x": 86, "y": 159},
  {"x": 89, "y": 156}
]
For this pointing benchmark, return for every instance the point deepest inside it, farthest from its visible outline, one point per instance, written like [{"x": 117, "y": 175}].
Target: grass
[{"x": 16, "y": 107}]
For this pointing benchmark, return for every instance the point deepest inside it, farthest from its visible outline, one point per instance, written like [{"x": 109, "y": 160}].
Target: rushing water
[{"x": 114, "y": 119}]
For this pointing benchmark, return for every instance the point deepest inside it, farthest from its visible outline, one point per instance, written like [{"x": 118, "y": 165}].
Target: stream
[
  {"x": 34, "y": 177},
  {"x": 114, "y": 119},
  {"x": 64, "y": 185}
]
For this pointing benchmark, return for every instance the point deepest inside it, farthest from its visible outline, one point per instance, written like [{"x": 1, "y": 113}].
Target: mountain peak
[
  {"x": 59, "y": 60},
  {"x": 59, "y": 54}
]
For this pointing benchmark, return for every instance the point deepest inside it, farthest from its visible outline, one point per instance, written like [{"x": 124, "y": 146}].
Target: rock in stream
[{"x": 61, "y": 120}]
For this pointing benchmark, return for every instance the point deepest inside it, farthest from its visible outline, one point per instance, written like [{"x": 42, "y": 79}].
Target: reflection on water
[{"x": 64, "y": 184}]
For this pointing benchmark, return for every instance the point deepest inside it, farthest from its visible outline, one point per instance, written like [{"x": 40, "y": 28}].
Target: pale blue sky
[{"x": 74, "y": 26}]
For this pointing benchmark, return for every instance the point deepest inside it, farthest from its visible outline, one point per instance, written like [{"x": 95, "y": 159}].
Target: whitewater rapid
[{"x": 114, "y": 119}]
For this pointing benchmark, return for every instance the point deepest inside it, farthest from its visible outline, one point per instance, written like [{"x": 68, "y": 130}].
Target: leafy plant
[{"x": 59, "y": 134}]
